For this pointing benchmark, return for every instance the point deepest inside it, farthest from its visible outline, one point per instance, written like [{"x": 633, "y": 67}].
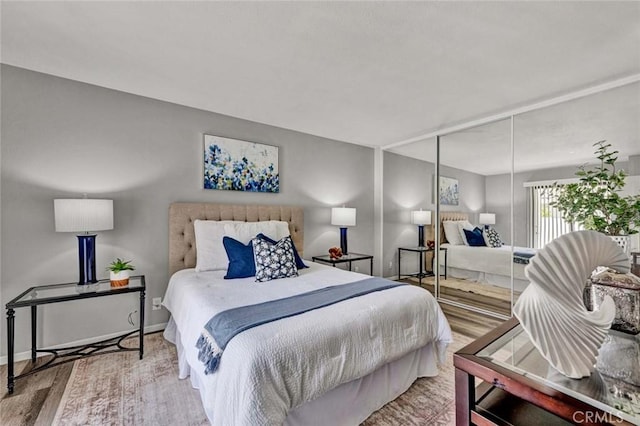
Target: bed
[
  {"x": 485, "y": 265},
  {"x": 333, "y": 365}
]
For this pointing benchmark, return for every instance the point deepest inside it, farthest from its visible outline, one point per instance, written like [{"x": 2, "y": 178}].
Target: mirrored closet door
[
  {"x": 409, "y": 212},
  {"x": 486, "y": 191},
  {"x": 475, "y": 217}
]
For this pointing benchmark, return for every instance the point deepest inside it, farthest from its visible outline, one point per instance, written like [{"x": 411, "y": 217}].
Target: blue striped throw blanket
[{"x": 222, "y": 327}]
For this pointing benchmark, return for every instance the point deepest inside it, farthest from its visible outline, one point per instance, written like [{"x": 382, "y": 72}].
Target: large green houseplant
[{"x": 595, "y": 201}]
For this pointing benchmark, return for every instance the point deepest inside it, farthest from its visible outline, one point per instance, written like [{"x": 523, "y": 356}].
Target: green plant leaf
[
  {"x": 120, "y": 265},
  {"x": 595, "y": 201}
]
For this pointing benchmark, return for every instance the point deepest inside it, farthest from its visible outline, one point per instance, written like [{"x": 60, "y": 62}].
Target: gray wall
[
  {"x": 62, "y": 138},
  {"x": 408, "y": 185}
]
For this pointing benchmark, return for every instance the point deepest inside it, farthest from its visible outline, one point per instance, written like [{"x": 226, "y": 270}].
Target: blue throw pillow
[
  {"x": 241, "y": 261},
  {"x": 299, "y": 263},
  {"x": 474, "y": 238}
]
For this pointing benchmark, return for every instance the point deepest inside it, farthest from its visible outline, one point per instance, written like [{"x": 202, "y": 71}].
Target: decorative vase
[
  {"x": 119, "y": 279},
  {"x": 624, "y": 289}
]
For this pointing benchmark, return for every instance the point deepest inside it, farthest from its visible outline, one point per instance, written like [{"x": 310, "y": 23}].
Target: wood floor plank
[
  {"x": 22, "y": 409},
  {"x": 469, "y": 323},
  {"x": 490, "y": 298},
  {"x": 50, "y": 405}
]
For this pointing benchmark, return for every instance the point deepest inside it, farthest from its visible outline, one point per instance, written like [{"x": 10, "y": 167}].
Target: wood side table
[{"x": 518, "y": 386}]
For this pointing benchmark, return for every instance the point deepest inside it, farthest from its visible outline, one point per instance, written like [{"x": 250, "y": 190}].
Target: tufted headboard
[
  {"x": 455, "y": 216},
  {"x": 182, "y": 240}
]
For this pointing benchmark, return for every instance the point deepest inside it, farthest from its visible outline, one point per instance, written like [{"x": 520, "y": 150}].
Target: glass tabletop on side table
[
  {"x": 350, "y": 257},
  {"x": 613, "y": 387},
  {"x": 43, "y": 294}
]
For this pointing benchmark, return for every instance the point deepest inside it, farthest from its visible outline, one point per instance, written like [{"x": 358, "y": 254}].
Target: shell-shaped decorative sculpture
[{"x": 551, "y": 309}]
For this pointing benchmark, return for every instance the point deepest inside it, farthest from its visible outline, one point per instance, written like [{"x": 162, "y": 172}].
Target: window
[{"x": 545, "y": 222}]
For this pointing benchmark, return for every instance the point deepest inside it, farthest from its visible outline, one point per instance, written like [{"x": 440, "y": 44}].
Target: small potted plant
[
  {"x": 595, "y": 200},
  {"x": 119, "y": 272}
]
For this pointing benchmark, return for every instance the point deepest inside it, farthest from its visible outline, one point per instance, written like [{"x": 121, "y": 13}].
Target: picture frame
[
  {"x": 448, "y": 191},
  {"x": 237, "y": 165}
]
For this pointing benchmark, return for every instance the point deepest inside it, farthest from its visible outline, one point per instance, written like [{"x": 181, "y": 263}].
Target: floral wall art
[
  {"x": 448, "y": 191},
  {"x": 236, "y": 165}
]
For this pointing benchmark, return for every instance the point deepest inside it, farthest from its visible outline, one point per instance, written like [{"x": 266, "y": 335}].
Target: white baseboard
[
  {"x": 392, "y": 278},
  {"x": 27, "y": 354}
]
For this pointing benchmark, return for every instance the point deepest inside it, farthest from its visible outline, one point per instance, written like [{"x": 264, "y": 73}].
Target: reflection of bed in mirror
[{"x": 484, "y": 265}]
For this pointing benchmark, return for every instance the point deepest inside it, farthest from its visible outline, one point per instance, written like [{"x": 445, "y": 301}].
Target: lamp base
[
  {"x": 420, "y": 235},
  {"x": 343, "y": 240},
  {"x": 87, "y": 259}
]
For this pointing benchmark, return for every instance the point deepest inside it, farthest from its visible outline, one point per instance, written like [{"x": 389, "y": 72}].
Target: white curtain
[{"x": 545, "y": 221}]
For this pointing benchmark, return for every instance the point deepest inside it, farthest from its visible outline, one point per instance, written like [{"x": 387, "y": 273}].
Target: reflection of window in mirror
[{"x": 550, "y": 145}]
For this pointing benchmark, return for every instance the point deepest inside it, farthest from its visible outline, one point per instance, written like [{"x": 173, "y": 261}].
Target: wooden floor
[
  {"x": 36, "y": 397},
  {"x": 493, "y": 299}
]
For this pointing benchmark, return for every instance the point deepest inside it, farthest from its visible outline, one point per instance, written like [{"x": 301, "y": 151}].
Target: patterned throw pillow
[
  {"x": 274, "y": 260},
  {"x": 492, "y": 238}
]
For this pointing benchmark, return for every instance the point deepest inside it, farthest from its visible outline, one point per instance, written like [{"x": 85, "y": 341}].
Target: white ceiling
[
  {"x": 554, "y": 136},
  {"x": 371, "y": 73}
]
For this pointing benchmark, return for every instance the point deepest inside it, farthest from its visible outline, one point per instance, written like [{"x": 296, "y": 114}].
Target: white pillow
[
  {"x": 462, "y": 225},
  {"x": 247, "y": 231},
  {"x": 211, "y": 255},
  {"x": 282, "y": 229},
  {"x": 452, "y": 233}
]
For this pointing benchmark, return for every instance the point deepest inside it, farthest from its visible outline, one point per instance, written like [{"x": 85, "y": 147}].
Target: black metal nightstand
[
  {"x": 422, "y": 273},
  {"x": 45, "y": 294},
  {"x": 346, "y": 258}
]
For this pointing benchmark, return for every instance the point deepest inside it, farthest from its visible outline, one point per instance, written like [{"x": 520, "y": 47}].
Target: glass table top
[
  {"x": 612, "y": 387},
  {"x": 55, "y": 292},
  {"x": 344, "y": 258}
]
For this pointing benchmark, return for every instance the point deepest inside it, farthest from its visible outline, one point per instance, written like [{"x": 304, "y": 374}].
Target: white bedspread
[
  {"x": 491, "y": 260},
  {"x": 268, "y": 370}
]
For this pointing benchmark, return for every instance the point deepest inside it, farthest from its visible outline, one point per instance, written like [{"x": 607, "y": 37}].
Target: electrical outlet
[
  {"x": 356, "y": 269},
  {"x": 391, "y": 265},
  {"x": 155, "y": 303}
]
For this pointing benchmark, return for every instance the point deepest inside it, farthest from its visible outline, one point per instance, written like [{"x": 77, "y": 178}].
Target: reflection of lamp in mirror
[
  {"x": 343, "y": 217},
  {"x": 487, "y": 219},
  {"x": 85, "y": 216},
  {"x": 421, "y": 218}
]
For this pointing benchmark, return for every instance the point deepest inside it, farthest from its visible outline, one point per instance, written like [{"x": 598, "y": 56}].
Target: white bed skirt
[
  {"x": 348, "y": 404},
  {"x": 487, "y": 278}
]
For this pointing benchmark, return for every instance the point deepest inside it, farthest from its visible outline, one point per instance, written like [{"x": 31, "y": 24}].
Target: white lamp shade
[
  {"x": 83, "y": 215},
  {"x": 343, "y": 216},
  {"x": 421, "y": 217},
  {"x": 487, "y": 219}
]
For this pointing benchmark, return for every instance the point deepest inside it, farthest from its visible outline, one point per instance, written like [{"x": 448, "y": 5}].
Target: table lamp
[
  {"x": 343, "y": 217},
  {"x": 487, "y": 219},
  {"x": 84, "y": 215},
  {"x": 421, "y": 218}
]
